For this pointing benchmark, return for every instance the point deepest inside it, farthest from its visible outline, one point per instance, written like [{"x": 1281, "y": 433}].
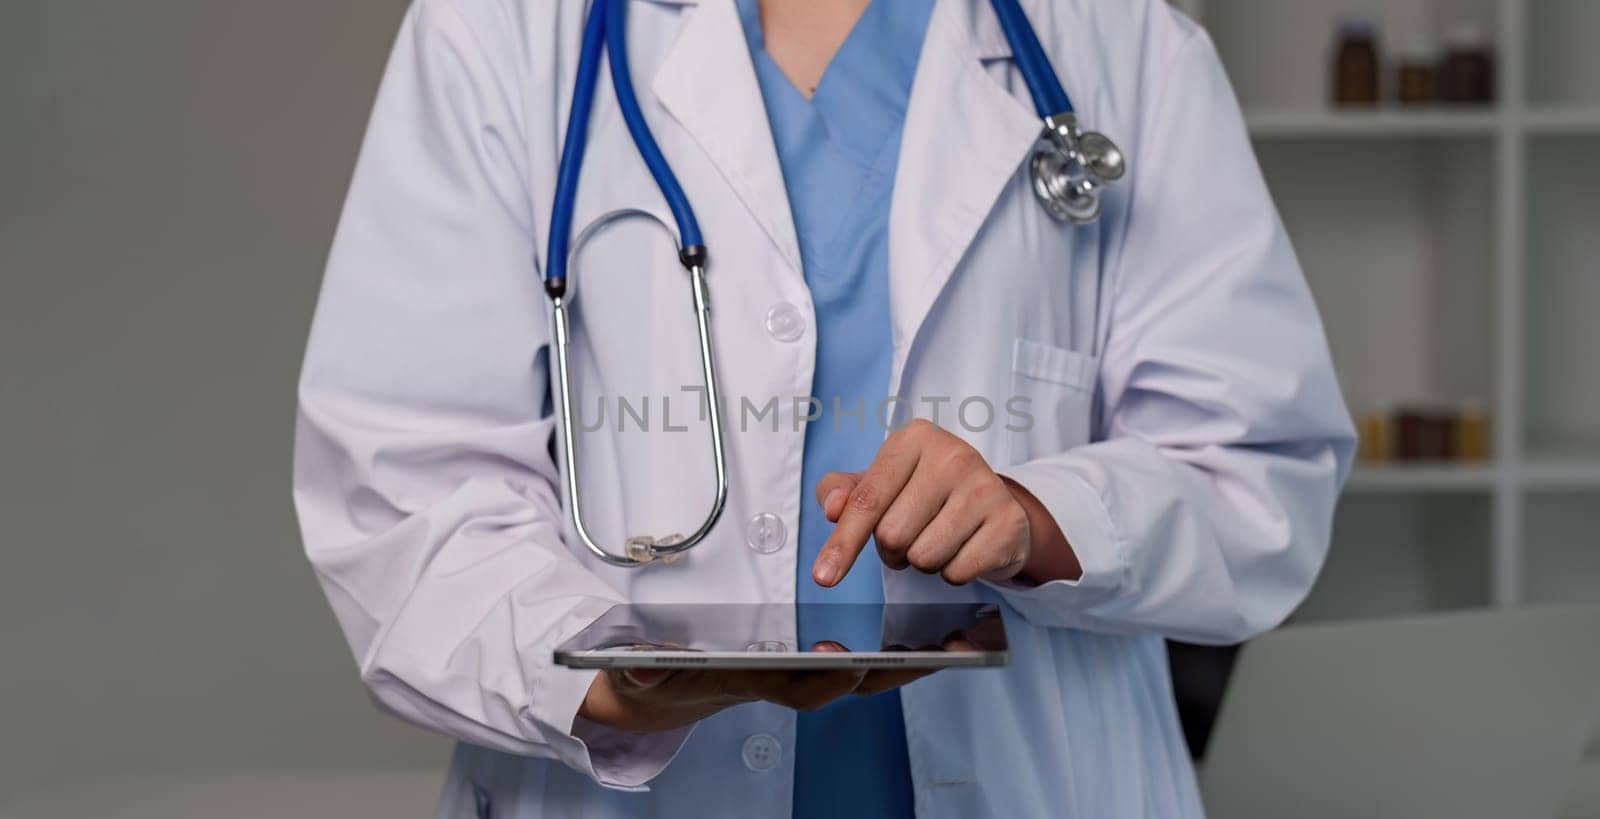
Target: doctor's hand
[
  {"x": 932, "y": 503},
  {"x": 647, "y": 701}
]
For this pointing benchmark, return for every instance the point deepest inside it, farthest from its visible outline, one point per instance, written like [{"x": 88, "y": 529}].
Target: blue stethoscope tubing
[
  {"x": 1049, "y": 97},
  {"x": 1069, "y": 172},
  {"x": 606, "y": 29}
]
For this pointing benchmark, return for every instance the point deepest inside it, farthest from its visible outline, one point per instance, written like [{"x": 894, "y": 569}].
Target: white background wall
[{"x": 170, "y": 176}]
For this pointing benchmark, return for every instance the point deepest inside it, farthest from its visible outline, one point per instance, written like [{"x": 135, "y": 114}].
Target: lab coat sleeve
[
  {"x": 1203, "y": 510},
  {"x": 423, "y": 476}
]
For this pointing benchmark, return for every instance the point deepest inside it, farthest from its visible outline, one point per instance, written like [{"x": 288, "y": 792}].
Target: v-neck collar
[
  {"x": 755, "y": 35},
  {"x": 861, "y": 98}
]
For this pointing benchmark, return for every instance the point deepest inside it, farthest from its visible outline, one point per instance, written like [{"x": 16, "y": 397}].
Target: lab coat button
[
  {"x": 767, "y": 647},
  {"x": 766, "y": 533},
  {"x": 762, "y": 752},
  {"x": 785, "y": 323}
]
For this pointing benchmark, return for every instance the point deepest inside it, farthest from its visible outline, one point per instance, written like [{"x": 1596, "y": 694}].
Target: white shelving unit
[
  {"x": 1284, "y": 124},
  {"x": 1452, "y": 252}
]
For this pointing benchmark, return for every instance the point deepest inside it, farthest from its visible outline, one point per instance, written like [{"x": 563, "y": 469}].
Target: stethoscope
[{"x": 1069, "y": 171}]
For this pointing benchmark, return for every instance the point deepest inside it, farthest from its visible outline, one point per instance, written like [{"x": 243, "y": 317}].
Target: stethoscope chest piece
[{"x": 1072, "y": 168}]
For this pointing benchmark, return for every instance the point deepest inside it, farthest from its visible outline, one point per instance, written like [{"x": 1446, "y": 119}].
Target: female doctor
[{"x": 860, "y": 172}]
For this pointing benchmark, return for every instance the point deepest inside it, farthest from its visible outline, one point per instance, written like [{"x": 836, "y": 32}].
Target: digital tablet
[{"x": 792, "y": 637}]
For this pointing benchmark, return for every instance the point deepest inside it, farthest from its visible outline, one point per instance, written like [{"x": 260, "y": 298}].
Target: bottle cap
[
  {"x": 1419, "y": 51},
  {"x": 1358, "y": 28}
]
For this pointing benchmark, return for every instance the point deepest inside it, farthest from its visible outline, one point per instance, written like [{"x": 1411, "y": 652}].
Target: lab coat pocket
[{"x": 1051, "y": 402}]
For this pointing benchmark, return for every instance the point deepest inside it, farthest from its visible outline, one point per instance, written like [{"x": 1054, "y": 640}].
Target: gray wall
[{"x": 170, "y": 176}]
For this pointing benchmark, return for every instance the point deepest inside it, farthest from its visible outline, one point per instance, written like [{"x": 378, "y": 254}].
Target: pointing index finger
[{"x": 871, "y": 497}]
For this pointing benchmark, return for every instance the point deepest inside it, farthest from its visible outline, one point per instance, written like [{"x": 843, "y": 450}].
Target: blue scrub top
[{"x": 839, "y": 150}]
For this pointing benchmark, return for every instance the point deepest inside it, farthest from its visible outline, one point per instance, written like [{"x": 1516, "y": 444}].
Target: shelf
[
  {"x": 1421, "y": 122},
  {"x": 1556, "y": 473},
  {"x": 1555, "y": 121},
  {"x": 1544, "y": 473},
  {"x": 1422, "y": 478},
  {"x": 1452, "y": 254},
  {"x": 1383, "y": 122}
]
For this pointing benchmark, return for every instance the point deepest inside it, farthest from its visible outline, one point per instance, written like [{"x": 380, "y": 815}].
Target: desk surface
[{"x": 1475, "y": 714}]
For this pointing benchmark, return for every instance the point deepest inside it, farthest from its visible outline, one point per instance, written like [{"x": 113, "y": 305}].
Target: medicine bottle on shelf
[
  {"x": 1355, "y": 65},
  {"x": 1467, "y": 75},
  {"x": 1374, "y": 447},
  {"x": 1472, "y": 433},
  {"x": 1425, "y": 432},
  {"x": 1418, "y": 76}
]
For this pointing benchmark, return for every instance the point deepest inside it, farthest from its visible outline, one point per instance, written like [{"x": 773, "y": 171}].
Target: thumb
[
  {"x": 639, "y": 679},
  {"x": 832, "y": 492}
]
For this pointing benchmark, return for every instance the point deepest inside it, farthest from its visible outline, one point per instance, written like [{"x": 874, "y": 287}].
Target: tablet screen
[{"x": 808, "y": 635}]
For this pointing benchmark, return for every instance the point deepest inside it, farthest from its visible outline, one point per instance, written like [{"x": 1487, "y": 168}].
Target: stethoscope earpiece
[{"x": 1072, "y": 168}]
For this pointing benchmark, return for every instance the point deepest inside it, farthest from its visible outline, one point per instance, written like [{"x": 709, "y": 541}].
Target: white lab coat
[{"x": 1189, "y": 437}]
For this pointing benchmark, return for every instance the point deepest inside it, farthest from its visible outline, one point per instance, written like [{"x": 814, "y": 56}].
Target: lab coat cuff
[
  {"x": 1086, "y": 522},
  {"x": 619, "y": 760}
]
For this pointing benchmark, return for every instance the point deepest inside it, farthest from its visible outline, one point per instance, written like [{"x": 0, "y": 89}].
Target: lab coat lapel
[
  {"x": 965, "y": 138},
  {"x": 708, "y": 84}
]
